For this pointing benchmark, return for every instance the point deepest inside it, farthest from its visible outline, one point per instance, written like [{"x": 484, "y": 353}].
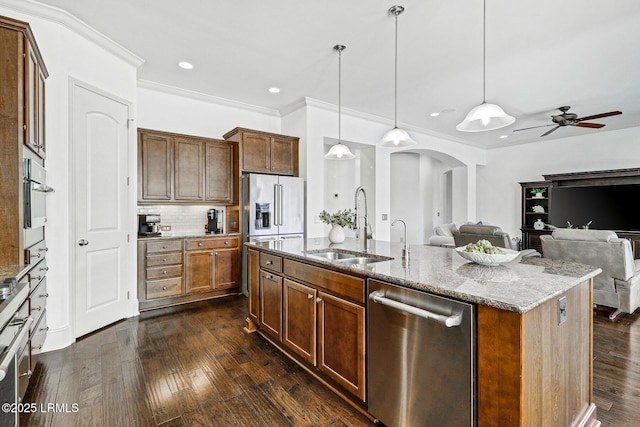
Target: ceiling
[{"x": 539, "y": 56}]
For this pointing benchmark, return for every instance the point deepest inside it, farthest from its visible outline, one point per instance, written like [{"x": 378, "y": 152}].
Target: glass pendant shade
[
  {"x": 339, "y": 152},
  {"x": 396, "y": 137},
  {"x": 485, "y": 117}
]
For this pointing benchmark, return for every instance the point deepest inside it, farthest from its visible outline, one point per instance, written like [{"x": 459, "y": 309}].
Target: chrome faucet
[
  {"x": 405, "y": 252},
  {"x": 365, "y": 232}
]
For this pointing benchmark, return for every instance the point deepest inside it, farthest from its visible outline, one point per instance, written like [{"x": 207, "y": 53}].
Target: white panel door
[{"x": 99, "y": 143}]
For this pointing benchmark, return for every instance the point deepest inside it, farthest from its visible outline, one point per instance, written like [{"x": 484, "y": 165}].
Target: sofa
[
  {"x": 443, "y": 235},
  {"x": 618, "y": 286}
]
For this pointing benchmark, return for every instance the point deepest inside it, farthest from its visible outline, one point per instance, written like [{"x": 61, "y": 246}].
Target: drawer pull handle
[
  {"x": 35, "y": 256},
  {"x": 37, "y": 277},
  {"x": 43, "y": 249},
  {"x": 38, "y": 308},
  {"x": 28, "y": 373},
  {"x": 44, "y": 295},
  {"x": 164, "y": 288},
  {"x": 226, "y": 242},
  {"x": 164, "y": 246},
  {"x": 45, "y": 329},
  {"x": 269, "y": 262},
  {"x": 164, "y": 272},
  {"x": 44, "y": 269}
]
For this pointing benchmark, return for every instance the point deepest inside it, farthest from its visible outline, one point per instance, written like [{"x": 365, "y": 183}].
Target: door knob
[{"x": 83, "y": 242}]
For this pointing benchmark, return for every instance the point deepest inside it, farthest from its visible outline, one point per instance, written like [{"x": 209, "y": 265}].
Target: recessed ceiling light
[
  {"x": 504, "y": 136},
  {"x": 186, "y": 65},
  {"x": 274, "y": 89},
  {"x": 434, "y": 114}
]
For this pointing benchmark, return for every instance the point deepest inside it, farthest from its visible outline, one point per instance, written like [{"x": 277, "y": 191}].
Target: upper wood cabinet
[
  {"x": 264, "y": 152},
  {"x": 22, "y": 115},
  {"x": 185, "y": 169}
]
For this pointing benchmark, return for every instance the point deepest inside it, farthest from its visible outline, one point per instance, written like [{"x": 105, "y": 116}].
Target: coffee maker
[
  {"x": 215, "y": 221},
  {"x": 149, "y": 225}
]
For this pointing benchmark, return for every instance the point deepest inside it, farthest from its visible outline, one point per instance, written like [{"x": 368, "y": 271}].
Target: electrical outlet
[
  {"x": 384, "y": 217},
  {"x": 562, "y": 310}
]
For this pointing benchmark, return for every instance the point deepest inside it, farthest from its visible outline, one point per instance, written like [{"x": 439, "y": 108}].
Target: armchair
[
  {"x": 472, "y": 233},
  {"x": 618, "y": 286}
]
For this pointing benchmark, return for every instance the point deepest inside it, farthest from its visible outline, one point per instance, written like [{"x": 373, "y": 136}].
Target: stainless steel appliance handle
[
  {"x": 449, "y": 321},
  {"x": 276, "y": 204},
  {"x": 43, "y": 188},
  {"x": 14, "y": 347},
  {"x": 279, "y": 204}
]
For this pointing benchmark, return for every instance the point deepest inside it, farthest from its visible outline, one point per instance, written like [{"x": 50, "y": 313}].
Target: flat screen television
[{"x": 608, "y": 207}]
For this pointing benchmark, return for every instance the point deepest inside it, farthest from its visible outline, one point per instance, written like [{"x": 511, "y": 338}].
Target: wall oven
[{"x": 35, "y": 192}]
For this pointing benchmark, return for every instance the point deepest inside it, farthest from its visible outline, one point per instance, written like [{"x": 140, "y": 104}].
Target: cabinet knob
[
  {"x": 164, "y": 288},
  {"x": 318, "y": 300},
  {"x": 35, "y": 256},
  {"x": 309, "y": 296},
  {"x": 43, "y": 249},
  {"x": 215, "y": 253},
  {"x": 44, "y": 269},
  {"x": 164, "y": 260},
  {"x": 164, "y": 272},
  {"x": 226, "y": 242},
  {"x": 45, "y": 329},
  {"x": 164, "y": 246},
  {"x": 44, "y": 295},
  {"x": 269, "y": 262},
  {"x": 199, "y": 243}
]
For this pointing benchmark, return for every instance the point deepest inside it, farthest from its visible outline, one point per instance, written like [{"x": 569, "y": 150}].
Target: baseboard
[{"x": 57, "y": 339}]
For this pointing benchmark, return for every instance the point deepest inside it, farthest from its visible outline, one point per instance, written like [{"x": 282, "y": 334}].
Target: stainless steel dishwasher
[{"x": 421, "y": 358}]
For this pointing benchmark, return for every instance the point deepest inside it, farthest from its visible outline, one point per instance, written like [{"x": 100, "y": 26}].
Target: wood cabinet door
[
  {"x": 256, "y": 152},
  {"x": 226, "y": 269},
  {"x": 154, "y": 153},
  {"x": 282, "y": 156},
  {"x": 300, "y": 319},
  {"x": 218, "y": 171},
  {"x": 341, "y": 342},
  {"x": 199, "y": 268},
  {"x": 271, "y": 304},
  {"x": 188, "y": 169},
  {"x": 253, "y": 284}
]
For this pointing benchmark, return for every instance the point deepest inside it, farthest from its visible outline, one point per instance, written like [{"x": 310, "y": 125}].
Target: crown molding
[
  {"x": 67, "y": 20},
  {"x": 186, "y": 93}
]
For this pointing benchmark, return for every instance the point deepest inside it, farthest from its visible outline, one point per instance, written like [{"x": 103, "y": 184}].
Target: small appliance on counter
[
  {"x": 215, "y": 221},
  {"x": 149, "y": 225}
]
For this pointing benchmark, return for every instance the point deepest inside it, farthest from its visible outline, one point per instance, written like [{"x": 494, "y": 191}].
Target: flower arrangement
[{"x": 344, "y": 218}]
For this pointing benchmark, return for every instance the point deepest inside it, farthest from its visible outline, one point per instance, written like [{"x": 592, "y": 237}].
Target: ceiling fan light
[
  {"x": 339, "y": 152},
  {"x": 396, "y": 137},
  {"x": 485, "y": 117}
]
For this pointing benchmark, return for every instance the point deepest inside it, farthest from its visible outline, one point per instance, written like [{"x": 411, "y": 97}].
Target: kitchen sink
[{"x": 348, "y": 257}]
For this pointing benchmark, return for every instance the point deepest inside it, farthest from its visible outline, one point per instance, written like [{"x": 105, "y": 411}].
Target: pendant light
[
  {"x": 485, "y": 116},
  {"x": 339, "y": 151},
  {"x": 396, "y": 137}
]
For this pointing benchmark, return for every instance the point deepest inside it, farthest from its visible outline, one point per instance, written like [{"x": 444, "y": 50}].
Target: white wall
[
  {"x": 498, "y": 189},
  {"x": 68, "y": 55}
]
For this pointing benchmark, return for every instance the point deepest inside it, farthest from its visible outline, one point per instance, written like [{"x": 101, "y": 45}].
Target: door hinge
[
  {"x": 128, "y": 238},
  {"x": 127, "y": 181},
  {"x": 128, "y": 294},
  {"x": 128, "y": 121}
]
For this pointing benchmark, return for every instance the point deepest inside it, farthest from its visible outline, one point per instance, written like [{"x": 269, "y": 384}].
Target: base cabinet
[
  {"x": 177, "y": 271},
  {"x": 315, "y": 315}
]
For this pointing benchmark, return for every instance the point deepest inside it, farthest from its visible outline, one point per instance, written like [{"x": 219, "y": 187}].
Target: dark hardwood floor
[{"x": 194, "y": 366}]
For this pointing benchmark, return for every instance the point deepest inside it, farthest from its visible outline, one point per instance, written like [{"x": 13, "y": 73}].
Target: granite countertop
[
  {"x": 186, "y": 235},
  {"x": 518, "y": 286}
]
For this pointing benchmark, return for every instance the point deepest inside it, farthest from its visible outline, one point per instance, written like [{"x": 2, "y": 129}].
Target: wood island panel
[
  {"x": 342, "y": 284},
  {"x": 533, "y": 371}
]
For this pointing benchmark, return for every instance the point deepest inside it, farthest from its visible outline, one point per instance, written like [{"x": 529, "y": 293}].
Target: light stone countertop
[
  {"x": 186, "y": 235},
  {"x": 518, "y": 286}
]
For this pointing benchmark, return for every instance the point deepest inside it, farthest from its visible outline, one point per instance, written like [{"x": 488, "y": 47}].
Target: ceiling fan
[{"x": 572, "y": 119}]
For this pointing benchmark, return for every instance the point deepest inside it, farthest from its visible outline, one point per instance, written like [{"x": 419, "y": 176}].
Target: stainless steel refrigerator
[{"x": 272, "y": 209}]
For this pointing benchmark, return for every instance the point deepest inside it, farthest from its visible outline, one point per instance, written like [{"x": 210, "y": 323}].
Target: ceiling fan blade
[
  {"x": 598, "y": 116},
  {"x": 589, "y": 125},
  {"x": 534, "y": 127},
  {"x": 549, "y": 131}
]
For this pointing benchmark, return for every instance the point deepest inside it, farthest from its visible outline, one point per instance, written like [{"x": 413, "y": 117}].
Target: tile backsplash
[{"x": 181, "y": 218}]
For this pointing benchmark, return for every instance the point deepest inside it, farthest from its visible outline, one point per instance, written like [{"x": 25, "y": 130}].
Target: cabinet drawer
[
  {"x": 164, "y": 246},
  {"x": 37, "y": 274},
  {"x": 164, "y": 272},
  {"x": 38, "y": 301},
  {"x": 211, "y": 243},
  {"x": 271, "y": 262},
  {"x": 38, "y": 336},
  {"x": 164, "y": 259},
  {"x": 164, "y": 288},
  {"x": 35, "y": 253},
  {"x": 338, "y": 283}
]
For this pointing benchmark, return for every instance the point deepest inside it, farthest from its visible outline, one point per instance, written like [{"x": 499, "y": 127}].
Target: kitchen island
[{"x": 532, "y": 322}]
